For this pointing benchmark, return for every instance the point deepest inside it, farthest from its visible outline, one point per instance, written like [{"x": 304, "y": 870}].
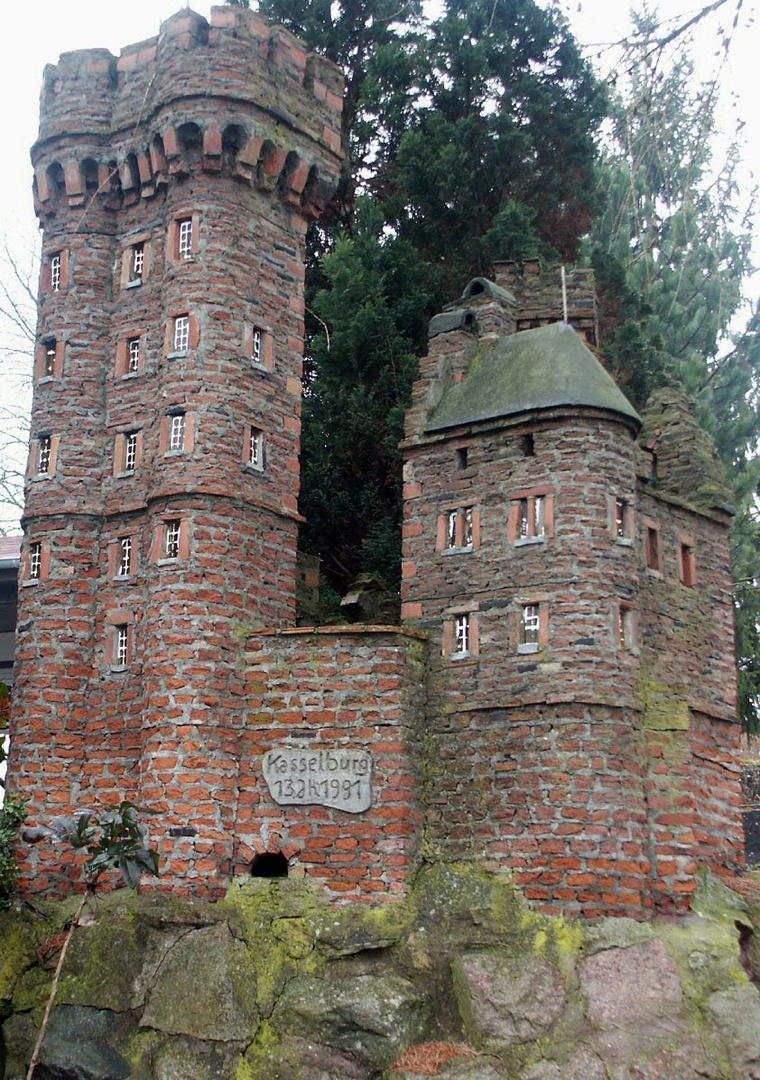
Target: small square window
[
  {"x": 124, "y": 568},
  {"x": 172, "y": 532},
  {"x": 44, "y": 453},
  {"x": 461, "y": 457},
  {"x": 181, "y": 333},
  {"x": 130, "y": 451},
  {"x": 122, "y": 646},
  {"x": 51, "y": 354},
  {"x": 256, "y": 448},
  {"x": 459, "y": 530},
  {"x": 35, "y": 561},
  {"x": 56, "y": 271},
  {"x": 185, "y": 238},
  {"x": 177, "y": 432},
  {"x": 133, "y": 354},
  {"x": 531, "y": 518}
]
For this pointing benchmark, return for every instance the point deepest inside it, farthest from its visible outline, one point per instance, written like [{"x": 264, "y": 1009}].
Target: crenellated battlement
[{"x": 190, "y": 100}]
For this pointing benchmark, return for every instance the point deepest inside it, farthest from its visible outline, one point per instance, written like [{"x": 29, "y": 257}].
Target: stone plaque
[{"x": 338, "y": 778}]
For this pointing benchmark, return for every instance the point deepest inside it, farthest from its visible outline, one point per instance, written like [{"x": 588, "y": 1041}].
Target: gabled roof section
[{"x": 545, "y": 368}]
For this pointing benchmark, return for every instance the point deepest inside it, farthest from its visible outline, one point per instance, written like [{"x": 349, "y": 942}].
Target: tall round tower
[{"x": 174, "y": 186}]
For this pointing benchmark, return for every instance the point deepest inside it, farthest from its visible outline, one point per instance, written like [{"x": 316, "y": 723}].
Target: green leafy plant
[
  {"x": 12, "y": 816},
  {"x": 114, "y": 840}
]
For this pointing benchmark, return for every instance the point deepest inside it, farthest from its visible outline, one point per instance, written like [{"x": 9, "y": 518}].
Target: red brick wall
[
  {"x": 177, "y": 126},
  {"x": 356, "y": 688}
]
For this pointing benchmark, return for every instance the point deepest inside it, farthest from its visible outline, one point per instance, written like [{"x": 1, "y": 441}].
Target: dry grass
[{"x": 426, "y": 1059}]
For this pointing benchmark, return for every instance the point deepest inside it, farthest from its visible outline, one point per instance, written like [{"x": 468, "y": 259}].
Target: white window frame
[
  {"x": 133, "y": 355},
  {"x": 125, "y": 557},
  {"x": 56, "y": 272},
  {"x": 256, "y": 448},
  {"x": 137, "y": 261},
  {"x": 35, "y": 561},
  {"x": 172, "y": 534},
  {"x": 181, "y": 333},
  {"x": 121, "y": 646},
  {"x": 130, "y": 451},
  {"x": 462, "y": 631},
  {"x": 177, "y": 431},
  {"x": 185, "y": 238},
  {"x": 44, "y": 454},
  {"x": 257, "y": 345},
  {"x": 530, "y": 628}
]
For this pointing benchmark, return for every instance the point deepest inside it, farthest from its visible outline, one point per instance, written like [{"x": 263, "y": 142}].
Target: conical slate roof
[{"x": 545, "y": 368}]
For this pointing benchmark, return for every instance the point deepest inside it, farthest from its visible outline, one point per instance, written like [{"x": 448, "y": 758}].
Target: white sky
[{"x": 54, "y": 27}]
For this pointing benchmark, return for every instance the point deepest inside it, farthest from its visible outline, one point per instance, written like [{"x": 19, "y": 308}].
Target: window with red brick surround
[
  {"x": 35, "y": 563},
  {"x": 531, "y": 516},
  {"x": 171, "y": 540},
  {"x": 127, "y": 453},
  {"x": 55, "y": 271},
  {"x": 458, "y": 529},
  {"x": 136, "y": 262},
  {"x": 177, "y": 433},
  {"x": 254, "y": 447},
  {"x": 258, "y": 346},
  {"x": 182, "y": 242},
  {"x": 43, "y": 461},
  {"x": 120, "y": 639},
  {"x": 687, "y": 563},
  {"x": 48, "y": 359},
  {"x": 532, "y": 624},
  {"x": 130, "y": 354},
  {"x": 182, "y": 334},
  {"x": 122, "y": 556},
  {"x": 461, "y": 639}
]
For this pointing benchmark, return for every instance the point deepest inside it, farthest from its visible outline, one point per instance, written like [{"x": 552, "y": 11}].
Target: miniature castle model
[{"x": 560, "y": 699}]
